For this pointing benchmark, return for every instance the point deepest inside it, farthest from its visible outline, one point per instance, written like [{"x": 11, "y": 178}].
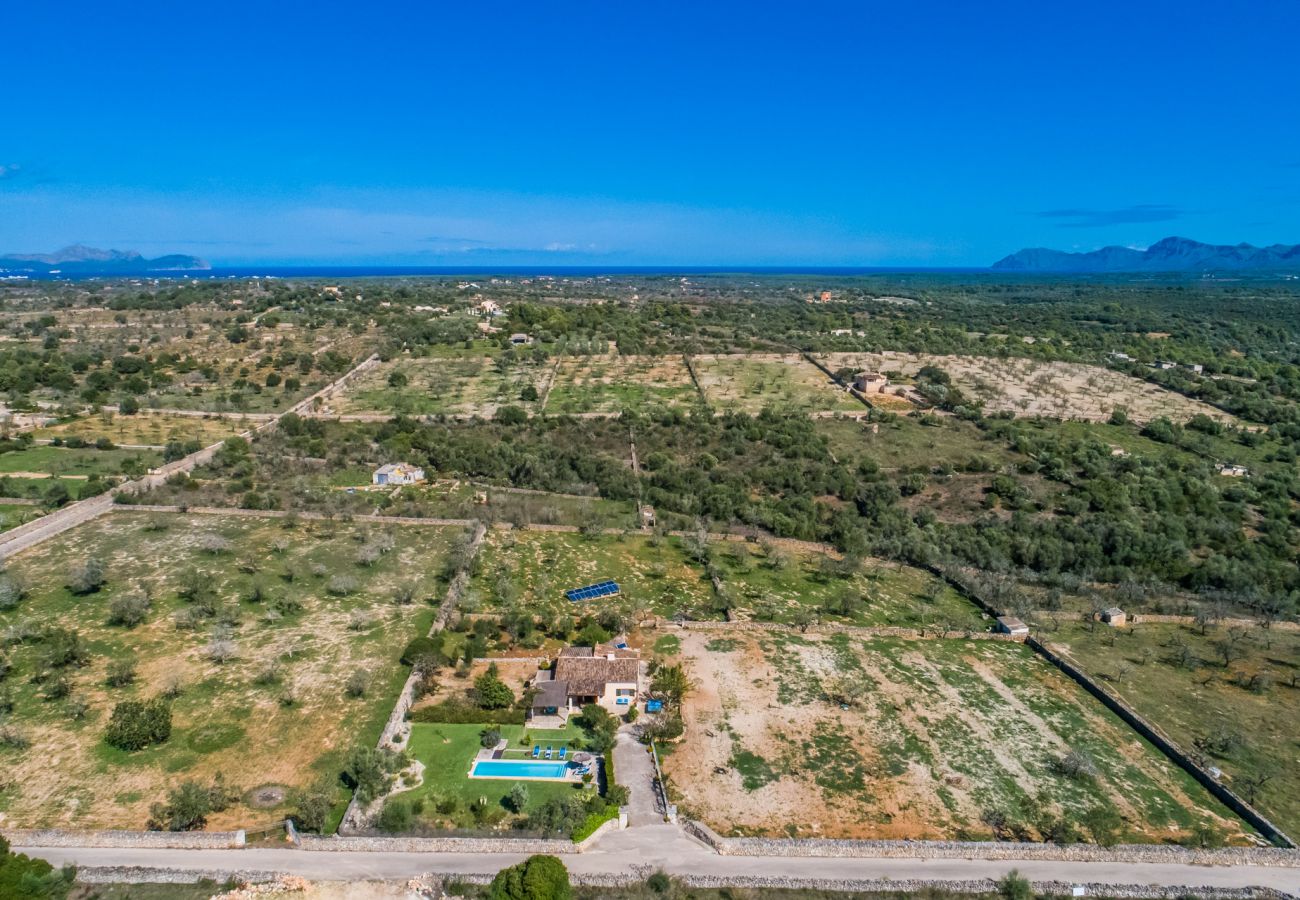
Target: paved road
[
  {"x": 665, "y": 847},
  {"x": 34, "y": 532}
]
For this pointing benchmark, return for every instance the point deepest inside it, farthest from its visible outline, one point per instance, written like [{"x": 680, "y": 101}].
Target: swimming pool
[{"x": 537, "y": 770}]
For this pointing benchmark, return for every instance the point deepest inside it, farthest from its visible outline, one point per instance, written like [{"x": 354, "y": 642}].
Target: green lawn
[{"x": 447, "y": 752}]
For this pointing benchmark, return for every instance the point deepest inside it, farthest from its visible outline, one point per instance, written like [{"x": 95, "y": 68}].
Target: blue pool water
[{"x": 510, "y": 768}]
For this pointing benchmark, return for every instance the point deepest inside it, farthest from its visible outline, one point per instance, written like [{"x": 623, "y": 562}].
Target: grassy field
[
  {"x": 751, "y": 382},
  {"x": 472, "y": 385},
  {"x": 536, "y": 568},
  {"x": 613, "y": 384},
  {"x": 1036, "y": 388},
  {"x": 903, "y": 442},
  {"x": 37, "y": 488},
  {"x": 298, "y": 610},
  {"x": 83, "y": 462},
  {"x": 155, "y": 429},
  {"x": 14, "y": 514},
  {"x": 1245, "y": 712},
  {"x": 925, "y": 739},
  {"x": 773, "y": 583}
]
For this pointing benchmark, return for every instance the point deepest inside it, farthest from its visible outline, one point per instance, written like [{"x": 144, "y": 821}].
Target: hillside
[
  {"x": 1173, "y": 254},
  {"x": 81, "y": 259}
]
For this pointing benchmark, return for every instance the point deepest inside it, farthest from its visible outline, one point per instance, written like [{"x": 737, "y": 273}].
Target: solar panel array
[{"x": 604, "y": 589}]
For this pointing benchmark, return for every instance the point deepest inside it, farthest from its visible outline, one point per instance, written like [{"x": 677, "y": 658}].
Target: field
[
  {"x": 926, "y": 739},
  {"x": 776, "y": 582},
  {"x": 751, "y": 382},
  {"x": 273, "y": 623},
  {"x": 14, "y": 514},
  {"x": 1244, "y": 712},
  {"x": 432, "y": 386},
  {"x": 1034, "y": 388},
  {"x": 612, "y": 384},
  {"x": 535, "y": 568},
  {"x": 148, "y": 428},
  {"x": 63, "y": 461}
]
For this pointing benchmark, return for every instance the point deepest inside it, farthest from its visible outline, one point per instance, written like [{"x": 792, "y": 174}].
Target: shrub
[
  {"x": 342, "y": 585},
  {"x": 517, "y": 799},
  {"x": 12, "y": 591},
  {"x": 187, "y": 808},
  {"x": 86, "y": 577},
  {"x": 423, "y": 650},
  {"x": 357, "y": 684},
  {"x": 135, "y": 724},
  {"x": 370, "y": 770},
  {"x": 659, "y": 882},
  {"x": 128, "y": 610},
  {"x": 491, "y": 692},
  {"x": 489, "y": 737},
  {"x": 121, "y": 672},
  {"x": 1014, "y": 886},
  {"x": 312, "y": 805},
  {"x": 536, "y": 878},
  {"x": 395, "y": 816}
]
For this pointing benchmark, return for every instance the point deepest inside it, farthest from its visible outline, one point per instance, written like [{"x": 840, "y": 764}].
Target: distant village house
[{"x": 397, "y": 473}]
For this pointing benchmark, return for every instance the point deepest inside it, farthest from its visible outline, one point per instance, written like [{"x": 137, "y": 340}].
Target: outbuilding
[
  {"x": 1012, "y": 626},
  {"x": 1114, "y": 616}
]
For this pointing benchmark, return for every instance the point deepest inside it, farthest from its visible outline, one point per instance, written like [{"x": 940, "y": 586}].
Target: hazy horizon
[{"x": 844, "y": 135}]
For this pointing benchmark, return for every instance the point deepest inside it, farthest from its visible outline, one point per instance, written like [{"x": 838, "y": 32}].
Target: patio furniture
[
  {"x": 564, "y": 752},
  {"x": 549, "y": 751},
  {"x": 537, "y": 751}
]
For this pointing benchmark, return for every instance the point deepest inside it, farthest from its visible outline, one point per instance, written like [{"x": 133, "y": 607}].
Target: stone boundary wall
[
  {"x": 152, "y": 875},
  {"x": 695, "y": 380},
  {"x": 170, "y": 840},
  {"x": 312, "y": 843},
  {"x": 834, "y": 628},
  {"x": 1220, "y": 791},
  {"x": 304, "y": 515},
  {"x": 854, "y": 392},
  {"x": 992, "y": 850}
]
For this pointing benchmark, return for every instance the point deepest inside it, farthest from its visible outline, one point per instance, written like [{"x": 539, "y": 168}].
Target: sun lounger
[
  {"x": 564, "y": 751},
  {"x": 547, "y": 755},
  {"x": 537, "y": 751}
]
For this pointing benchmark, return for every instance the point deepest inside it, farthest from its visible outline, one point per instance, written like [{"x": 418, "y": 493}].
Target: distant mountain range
[
  {"x": 1173, "y": 254},
  {"x": 83, "y": 260}
]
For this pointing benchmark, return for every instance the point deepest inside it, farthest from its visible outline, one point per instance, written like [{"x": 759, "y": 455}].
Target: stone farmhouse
[{"x": 605, "y": 675}]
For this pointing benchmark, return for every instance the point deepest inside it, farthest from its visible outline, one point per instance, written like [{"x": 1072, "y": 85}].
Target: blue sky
[{"x": 606, "y": 133}]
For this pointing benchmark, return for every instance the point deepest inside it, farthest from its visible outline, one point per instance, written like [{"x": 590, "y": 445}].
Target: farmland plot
[
  {"x": 748, "y": 383},
  {"x": 1030, "y": 387},
  {"x": 150, "y": 428},
  {"x": 431, "y": 386},
  {"x": 535, "y": 568},
  {"x": 924, "y": 739},
  {"x": 605, "y": 384},
  {"x": 254, "y": 629},
  {"x": 773, "y": 581}
]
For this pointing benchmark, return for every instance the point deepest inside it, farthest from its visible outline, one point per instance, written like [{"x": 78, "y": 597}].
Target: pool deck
[{"x": 499, "y": 754}]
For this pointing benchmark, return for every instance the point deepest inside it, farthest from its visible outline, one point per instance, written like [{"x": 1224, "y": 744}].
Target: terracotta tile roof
[{"x": 588, "y": 675}]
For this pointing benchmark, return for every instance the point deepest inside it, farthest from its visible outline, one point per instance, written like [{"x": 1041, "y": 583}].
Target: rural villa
[
  {"x": 398, "y": 473},
  {"x": 606, "y": 675}
]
